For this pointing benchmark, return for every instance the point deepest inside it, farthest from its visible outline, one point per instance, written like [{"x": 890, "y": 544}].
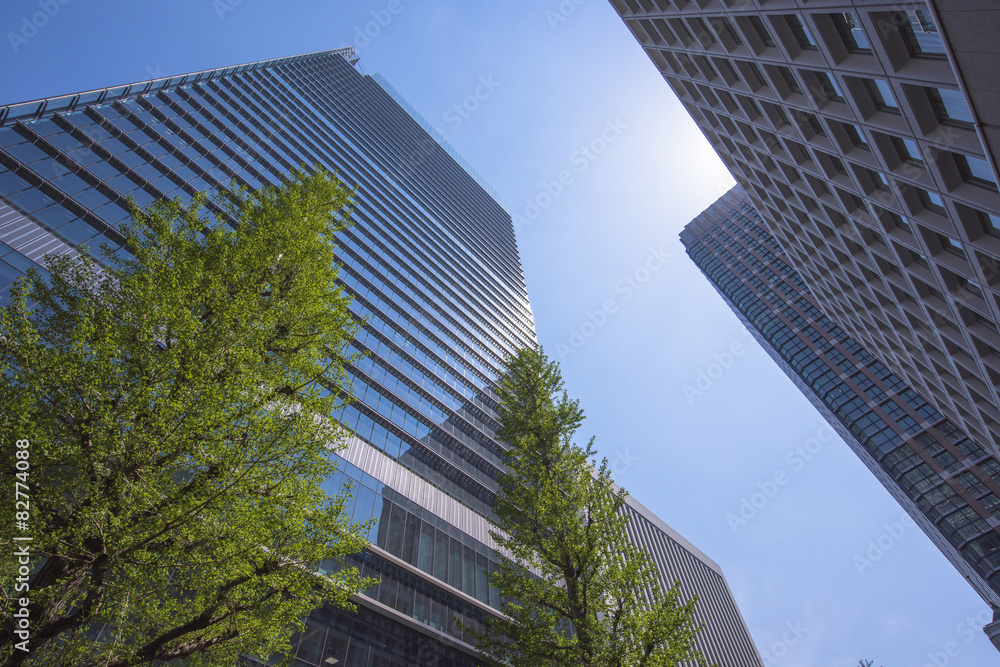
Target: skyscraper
[
  {"x": 433, "y": 267},
  {"x": 944, "y": 480},
  {"x": 865, "y": 134}
]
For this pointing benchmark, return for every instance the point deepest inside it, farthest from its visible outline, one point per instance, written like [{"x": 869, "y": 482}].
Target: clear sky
[{"x": 555, "y": 104}]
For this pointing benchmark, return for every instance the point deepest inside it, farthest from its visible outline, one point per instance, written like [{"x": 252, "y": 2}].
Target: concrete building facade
[
  {"x": 947, "y": 483},
  {"x": 865, "y": 133}
]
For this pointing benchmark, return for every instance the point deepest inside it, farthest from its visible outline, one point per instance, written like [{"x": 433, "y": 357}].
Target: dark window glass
[
  {"x": 976, "y": 170},
  {"x": 857, "y": 136},
  {"x": 921, "y": 34},
  {"x": 931, "y": 200},
  {"x": 882, "y": 95},
  {"x": 828, "y": 85},
  {"x": 801, "y": 32},
  {"x": 762, "y": 32},
  {"x": 851, "y": 32},
  {"x": 907, "y": 149},
  {"x": 951, "y": 107}
]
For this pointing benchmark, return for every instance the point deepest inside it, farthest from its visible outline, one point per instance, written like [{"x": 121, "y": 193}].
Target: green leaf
[
  {"x": 177, "y": 402},
  {"x": 576, "y": 591}
]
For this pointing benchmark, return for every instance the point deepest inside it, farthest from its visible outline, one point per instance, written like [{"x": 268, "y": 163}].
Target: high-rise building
[
  {"x": 433, "y": 267},
  {"x": 724, "y": 639},
  {"x": 865, "y": 132},
  {"x": 944, "y": 480}
]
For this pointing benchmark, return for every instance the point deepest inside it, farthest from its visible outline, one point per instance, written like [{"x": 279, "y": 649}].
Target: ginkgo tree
[
  {"x": 575, "y": 590},
  {"x": 172, "y": 402}
]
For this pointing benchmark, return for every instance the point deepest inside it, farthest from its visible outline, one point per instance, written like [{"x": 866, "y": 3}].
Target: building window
[
  {"x": 726, "y": 32},
  {"x": 951, "y": 245},
  {"x": 918, "y": 258},
  {"x": 882, "y": 96},
  {"x": 704, "y": 33},
  {"x": 950, "y": 107},
  {"x": 966, "y": 285},
  {"x": 991, "y": 223},
  {"x": 851, "y": 32},
  {"x": 976, "y": 171},
  {"x": 921, "y": 34},
  {"x": 815, "y": 124},
  {"x": 986, "y": 322},
  {"x": 789, "y": 79},
  {"x": 908, "y": 150},
  {"x": 932, "y": 201},
  {"x": 762, "y": 32},
  {"x": 753, "y": 76},
  {"x": 801, "y": 32},
  {"x": 857, "y": 136},
  {"x": 829, "y": 86}
]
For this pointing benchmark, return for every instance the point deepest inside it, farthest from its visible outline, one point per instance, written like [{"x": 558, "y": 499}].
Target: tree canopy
[
  {"x": 171, "y": 403},
  {"x": 576, "y": 591}
]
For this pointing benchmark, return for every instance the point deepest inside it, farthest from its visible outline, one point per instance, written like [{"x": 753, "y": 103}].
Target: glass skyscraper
[
  {"x": 944, "y": 480},
  {"x": 433, "y": 266}
]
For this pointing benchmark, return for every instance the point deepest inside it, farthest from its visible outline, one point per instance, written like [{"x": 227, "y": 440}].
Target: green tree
[
  {"x": 575, "y": 591},
  {"x": 175, "y": 400}
]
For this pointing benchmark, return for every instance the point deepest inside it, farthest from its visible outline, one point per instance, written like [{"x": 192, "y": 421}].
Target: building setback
[
  {"x": 433, "y": 266},
  {"x": 945, "y": 481},
  {"x": 865, "y": 133}
]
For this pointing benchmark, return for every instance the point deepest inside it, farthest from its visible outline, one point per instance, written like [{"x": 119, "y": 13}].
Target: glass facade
[
  {"x": 433, "y": 266},
  {"x": 431, "y": 262},
  {"x": 946, "y": 481}
]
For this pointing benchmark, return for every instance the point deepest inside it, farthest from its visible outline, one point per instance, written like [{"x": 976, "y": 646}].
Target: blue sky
[{"x": 558, "y": 108}]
